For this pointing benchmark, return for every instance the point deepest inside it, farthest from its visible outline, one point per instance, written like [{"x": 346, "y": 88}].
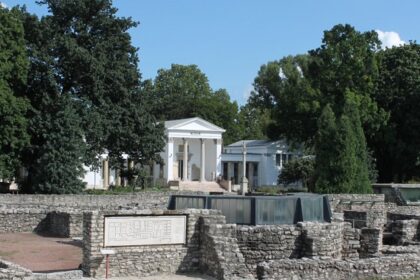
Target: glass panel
[
  {"x": 410, "y": 194},
  {"x": 312, "y": 208},
  {"x": 189, "y": 202},
  {"x": 275, "y": 211},
  {"x": 236, "y": 211}
]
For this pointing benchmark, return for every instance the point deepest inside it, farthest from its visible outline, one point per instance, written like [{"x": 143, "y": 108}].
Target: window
[
  {"x": 181, "y": 148},
  {"x": 284, "y": 158},
  {"x": 278, "y": 159}
]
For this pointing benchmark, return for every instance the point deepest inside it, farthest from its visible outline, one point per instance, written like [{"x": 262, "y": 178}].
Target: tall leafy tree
[
  {"x": 58, "y": 165},
  {"x": 341, "y": 164},
  {"x": 328, "y": 94},
  {"x": 282, "y": 89},
  {"x": 13, "y": 106},
  {"x": 253, "y": 122},
  {"x": 183, "y": 91},
  {"x": 296, "y": 89},
  {"x": 82, "y": 53},
  {"x": 397, "y": 145}
]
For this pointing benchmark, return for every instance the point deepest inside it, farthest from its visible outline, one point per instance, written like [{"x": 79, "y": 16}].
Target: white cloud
[
  {"x": 389, "y": 39},
  {"x": 3, "y": 5}
]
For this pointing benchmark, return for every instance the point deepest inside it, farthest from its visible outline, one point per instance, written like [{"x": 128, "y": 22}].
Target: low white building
[{"x": 264, "y": 161}]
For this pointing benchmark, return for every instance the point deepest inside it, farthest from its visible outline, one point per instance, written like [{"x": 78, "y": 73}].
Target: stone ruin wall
[
  {"x": 62, "y": 215},
  {"x": 306, "y": 250},
  {"x": 388, "y": 267},
  {"x": 13, "y": 271}
]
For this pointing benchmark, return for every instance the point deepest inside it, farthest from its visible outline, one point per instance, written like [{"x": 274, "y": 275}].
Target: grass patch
[{"x": 125, "y": 190}]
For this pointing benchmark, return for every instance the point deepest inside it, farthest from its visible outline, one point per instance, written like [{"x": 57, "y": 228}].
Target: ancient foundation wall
[
  {"x": 340, "y": 202},
  {"x": 140, "y": 200},
  {"x": 322, "y": 240},
  {"x": 62, "y": 215},
  {"x": 220, "y": 253},
  {"x": 60, "y": 224},
  {"x": 142, "y": 260},
  {"x": 406, "y": 231},
  {"x": 262, "y": 243},
  {"x": 389, "y": 267},
  {"x": 303, "y": 240},
  {"x": 11, "y": 271}
]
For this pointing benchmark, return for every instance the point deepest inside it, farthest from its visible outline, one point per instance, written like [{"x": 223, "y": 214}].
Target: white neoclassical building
[
  {"x": 192, "y": 153},
  {"x": 202, "y": 160}
]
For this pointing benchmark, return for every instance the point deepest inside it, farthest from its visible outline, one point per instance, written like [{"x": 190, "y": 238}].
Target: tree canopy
[
  {"x": 183, "y": 91},
  {"x": 397, "y": 145},
  {"x": 308, "y": 96},
  {"x": 13, "y": 106},
  {"x": 84, "y": 88}
]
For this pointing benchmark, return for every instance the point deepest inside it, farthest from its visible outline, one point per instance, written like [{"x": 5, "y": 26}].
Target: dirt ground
[{"x": 40, "y": 254}]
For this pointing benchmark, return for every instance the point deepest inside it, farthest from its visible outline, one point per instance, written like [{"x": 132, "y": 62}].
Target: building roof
[
  {"x": 255, "y": 143},
  {"x": 196, "y": 124}
]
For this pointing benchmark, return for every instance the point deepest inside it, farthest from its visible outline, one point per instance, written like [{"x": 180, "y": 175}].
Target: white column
[
  {"x": 203, "y": 160},
  {"x": 105, "y": 170},
  {"x": 170, "y": 160},
  {"x": 218, "y": 157},
  {"x": 185, "y": 161}
]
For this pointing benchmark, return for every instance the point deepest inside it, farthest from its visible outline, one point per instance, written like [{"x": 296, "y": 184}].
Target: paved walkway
[
  {"x": 199, "y": 186},
  {"x": 40, "y": 254}
]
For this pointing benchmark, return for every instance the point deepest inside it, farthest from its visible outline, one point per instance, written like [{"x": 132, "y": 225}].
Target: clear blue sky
[{"x": 230, "y": 39}]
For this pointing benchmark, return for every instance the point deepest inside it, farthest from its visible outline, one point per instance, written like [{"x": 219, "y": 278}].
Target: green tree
[
  {"x": 253, "y": 122},
  {"x": 82, "y": 52},
  {"x": 58, "y": 165},
  {"x": 296, "y": 89},
  {"x": 299, "y": 170},
  {"x": 397, "y": 145},
  {"x": 13, "y": 106},
  {"x": 183, "y": 91},
  {"x": 283, "y": 91},
  {"x": 341, "y": 156},
  {"x": 308, "y": 97},
  {"x": 179, "y": 92}
]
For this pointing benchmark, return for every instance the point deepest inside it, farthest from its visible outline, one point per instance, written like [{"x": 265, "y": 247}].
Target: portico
[{"x": 193, "y": 151}]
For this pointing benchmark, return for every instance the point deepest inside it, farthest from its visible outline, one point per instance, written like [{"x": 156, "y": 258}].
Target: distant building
[
  {"x": 264, "y": 161},
  {"x": 192, "y": 153}
]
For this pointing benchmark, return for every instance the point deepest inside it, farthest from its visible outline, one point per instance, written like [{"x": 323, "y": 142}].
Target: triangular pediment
[{"x": 192, "y": 124}]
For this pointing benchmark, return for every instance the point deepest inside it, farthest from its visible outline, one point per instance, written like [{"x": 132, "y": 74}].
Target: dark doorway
[{"x": 181, "y": 169}]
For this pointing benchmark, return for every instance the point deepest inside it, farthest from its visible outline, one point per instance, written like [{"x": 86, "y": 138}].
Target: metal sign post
[{"x": 107, "y": 252}]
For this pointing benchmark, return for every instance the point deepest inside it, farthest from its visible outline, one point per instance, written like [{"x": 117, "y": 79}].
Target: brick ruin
[{"x": 368, "y": 238}]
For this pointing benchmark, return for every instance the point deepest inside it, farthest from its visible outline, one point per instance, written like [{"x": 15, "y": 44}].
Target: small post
[
  {"x": 244, "y": 185},
  {"x": 107, "y": 267},
  {"x": 244, "y": 180},
  {"x": 107, "y": 252}
]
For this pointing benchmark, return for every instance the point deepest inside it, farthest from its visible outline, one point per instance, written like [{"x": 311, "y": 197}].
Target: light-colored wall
[
  {"x": 194, "y": 163},
  {"x": 268, "y": 171},
  {"x": 94, "y": 180}
]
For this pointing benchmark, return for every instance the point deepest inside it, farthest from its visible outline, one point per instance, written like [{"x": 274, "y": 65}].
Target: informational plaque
[{"x": 144, "y": 230}]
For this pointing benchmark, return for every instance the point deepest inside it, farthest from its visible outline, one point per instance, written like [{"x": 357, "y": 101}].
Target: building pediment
[{"x": 192, "y": 125}]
